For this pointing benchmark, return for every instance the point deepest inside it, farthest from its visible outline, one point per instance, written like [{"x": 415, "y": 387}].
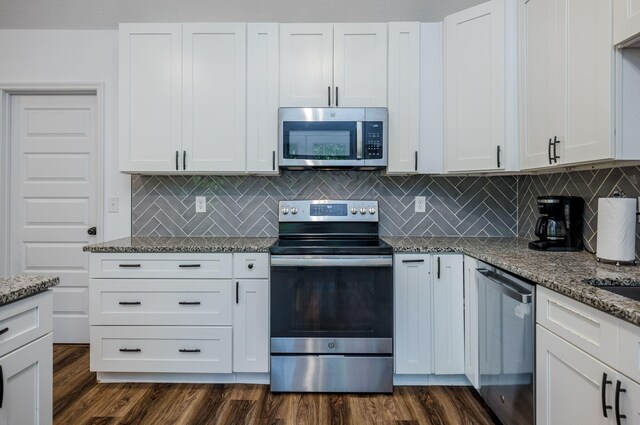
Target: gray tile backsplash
[
  {"x": 590, "y": 185},
  {"x": 247, "y": 205}
]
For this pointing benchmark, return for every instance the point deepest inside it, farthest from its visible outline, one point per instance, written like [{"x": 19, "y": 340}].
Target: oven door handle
[{"x": 331, "y": 261}]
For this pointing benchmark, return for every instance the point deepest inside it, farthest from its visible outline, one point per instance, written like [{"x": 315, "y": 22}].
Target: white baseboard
[
  {"x": 184, "y": 378},
  {"x": 427, "y": 380}
]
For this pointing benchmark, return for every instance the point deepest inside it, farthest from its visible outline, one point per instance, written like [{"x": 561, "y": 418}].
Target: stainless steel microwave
[{"x": 333, "y": 137}]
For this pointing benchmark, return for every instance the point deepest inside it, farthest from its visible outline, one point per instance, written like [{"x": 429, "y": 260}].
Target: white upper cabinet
[
  {"x": 213, "y": 125},
  {"x": 475, "y": 88},
  {"x": 404, "y": 98},
  {"x": 626, "y": 20},
  {"x": 565, "y": 82},
  {"x": 262, "y": 98},
  {"x": 323, "y": 65},
  {"x": 150, "y": 96}
]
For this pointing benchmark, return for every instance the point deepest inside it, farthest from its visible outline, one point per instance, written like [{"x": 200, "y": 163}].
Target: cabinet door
[
  {"x": 412, "y": 281},
  {"x": 306, "y": 65},
  {"x": 251, "y": 326},
  {"x": 448, "y": 314},
  {"x": 475, "y": 89},
  {"x": 150, "y": 96},
  {"x": 360, "y": 65},
  {"x": 541, "y": 87},
  {"x": 626, "y": 20},
  {"x": 471, "y": 321},
  {"x": 27, "y": 384},
  {"x": 404, "y": 97},
  {"x": 589, "y": 56},
  {"x": 569, "y": 384},
  {"x": 214, "y": 59},
  {"x": 262, "y": 98}
]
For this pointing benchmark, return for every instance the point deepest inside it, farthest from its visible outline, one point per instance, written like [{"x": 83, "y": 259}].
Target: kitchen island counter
[{"x": 577, "y": 275}]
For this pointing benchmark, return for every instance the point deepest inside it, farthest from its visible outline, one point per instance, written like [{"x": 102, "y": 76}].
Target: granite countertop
[
  {"x": 570, "y": 273},
  {"x": 13, "y": 288},
  {"x": 183, "y": 244}
]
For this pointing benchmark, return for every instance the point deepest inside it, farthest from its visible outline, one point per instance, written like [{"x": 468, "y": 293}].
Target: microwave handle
[{"x": 359, "y": 140}]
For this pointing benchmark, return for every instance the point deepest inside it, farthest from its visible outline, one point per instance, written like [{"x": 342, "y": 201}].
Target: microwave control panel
[{"x": 373, "y": 148}]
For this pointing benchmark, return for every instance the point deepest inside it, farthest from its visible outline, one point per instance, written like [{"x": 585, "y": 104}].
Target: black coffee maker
[{"x": 559, "y": 227}]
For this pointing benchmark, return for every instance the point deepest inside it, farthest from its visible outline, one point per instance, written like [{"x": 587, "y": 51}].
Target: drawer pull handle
[
  {"x": 129, "y": 266},
  {"x": 413, "y": 261},
  {"x": 250, "y": 266},
  {"x": 130, "y": 303},
  {"x": 130, "y": 350},
  {"x": 4, "y": 331},
  {"x": 184, "y": 350},
  {"x": 189, "y": 266},
  {"x": 189, "y": 303}
]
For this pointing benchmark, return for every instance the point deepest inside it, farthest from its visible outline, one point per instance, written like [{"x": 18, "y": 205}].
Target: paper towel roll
[{"x": 616, "y": 229}]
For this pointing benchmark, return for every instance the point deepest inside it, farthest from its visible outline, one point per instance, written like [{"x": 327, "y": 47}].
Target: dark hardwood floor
[{"x": 78, "y": 399}]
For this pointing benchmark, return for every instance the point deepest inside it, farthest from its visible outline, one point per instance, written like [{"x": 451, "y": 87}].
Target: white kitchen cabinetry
[
  {"x": 263, "y": 64},
  {"x": 413, "y": 305},
  {"x": 179, "y": 316},
  {"x": 626, "y": 21},
  {"x": 182, "y": 98},
  {"x": 429, "y": 336},
  {"x": 150, "y": 97},
  {"x": 404, "y": 98},
  {"x": 213, "y": 97},
  {"x": 565, "y": 82},
  {"x": 326, "y": 65},
  {"x": 471, "y": 358},
  {"x": 585, "y": 358},
  {"x": 476, "y": 69},
  {"x": 26, "y": 361},
  {"x": 448, "y": 314}
]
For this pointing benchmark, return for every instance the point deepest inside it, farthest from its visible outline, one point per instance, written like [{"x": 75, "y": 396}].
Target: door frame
[{"x": 7, "y": 90}]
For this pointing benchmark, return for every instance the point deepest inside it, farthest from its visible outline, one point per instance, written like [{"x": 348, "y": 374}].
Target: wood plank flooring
[{"x": 79, "y": 399}]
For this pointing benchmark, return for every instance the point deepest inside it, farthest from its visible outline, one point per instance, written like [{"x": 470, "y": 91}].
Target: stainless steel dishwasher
[{"x": 506, "y": 323}]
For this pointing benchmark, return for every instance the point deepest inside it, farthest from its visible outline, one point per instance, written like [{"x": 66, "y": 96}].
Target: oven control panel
[{"x": 328, "y": 210}]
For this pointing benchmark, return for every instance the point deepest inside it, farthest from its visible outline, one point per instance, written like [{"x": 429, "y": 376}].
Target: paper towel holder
[{"x": 618, "y": 263}]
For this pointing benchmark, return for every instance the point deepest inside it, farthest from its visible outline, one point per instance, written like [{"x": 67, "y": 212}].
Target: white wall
[{"x": 49, "y": 56}]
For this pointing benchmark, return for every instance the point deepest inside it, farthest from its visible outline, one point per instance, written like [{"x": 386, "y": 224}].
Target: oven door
[{"x": 332, "y": 304}]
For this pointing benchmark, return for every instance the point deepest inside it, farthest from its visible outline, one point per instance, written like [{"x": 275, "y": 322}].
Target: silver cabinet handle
[{"x": 506, "y": 286}]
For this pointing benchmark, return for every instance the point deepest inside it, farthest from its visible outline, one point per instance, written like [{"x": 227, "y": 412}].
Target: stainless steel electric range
[{"x": 331, "y": 299}]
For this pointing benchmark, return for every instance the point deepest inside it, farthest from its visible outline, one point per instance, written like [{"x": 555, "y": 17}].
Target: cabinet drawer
[
  {"x": 629, "y": 350},
  {"x": 162, "y": 349},
  {"x": 594, "y": 331},
  {"x": 160, "y": 302},
  {"x": 25, "y": 320},
  {"x": 251, "y": 266},
  {"x": 161, "y": 266}
]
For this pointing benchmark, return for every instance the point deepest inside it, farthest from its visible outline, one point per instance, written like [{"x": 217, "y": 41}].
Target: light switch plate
[
  {"x": 114, "y": 205},
  {"x": 201, "y": 204},
  {"x": 421, "y": 204}
]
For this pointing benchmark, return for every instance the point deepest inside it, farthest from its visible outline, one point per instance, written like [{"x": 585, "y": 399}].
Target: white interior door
[{"x": 54, "y": 197}]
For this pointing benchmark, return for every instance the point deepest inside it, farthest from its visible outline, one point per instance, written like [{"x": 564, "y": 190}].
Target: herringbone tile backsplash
[
  {"x": 590, "y": 185},
  {"x": 247, "y": 206}
]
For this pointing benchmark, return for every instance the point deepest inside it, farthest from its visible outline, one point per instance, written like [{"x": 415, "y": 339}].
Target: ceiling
[{"x": 106, "y": 14}]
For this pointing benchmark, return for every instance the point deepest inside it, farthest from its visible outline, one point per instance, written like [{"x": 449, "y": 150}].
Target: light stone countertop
[
  {"x": 569, "y": 273},
  {"x": 13, "y": 288},
  {"x": 183, "y": 244}
]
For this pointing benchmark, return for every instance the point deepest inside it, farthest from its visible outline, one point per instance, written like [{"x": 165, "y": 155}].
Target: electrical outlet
[
  {"x": 421, "y": 204},
  {"x": 201, "y": 204},
  {"x": 114, "y": 205}
]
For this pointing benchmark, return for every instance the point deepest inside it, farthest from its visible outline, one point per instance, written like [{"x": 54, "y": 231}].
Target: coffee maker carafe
[{"x": 559, "y": 227}]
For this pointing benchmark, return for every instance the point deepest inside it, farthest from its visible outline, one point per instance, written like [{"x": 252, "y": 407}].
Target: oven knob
[
  {"x": 372, "y": 211},
  {"x": 294, "y": 211},
  {"x": 363, "y": 210},
  {"x": 332, "y": 344},
  {"x": 354, "y": 210},
  {"x": 285, "y": 211}
]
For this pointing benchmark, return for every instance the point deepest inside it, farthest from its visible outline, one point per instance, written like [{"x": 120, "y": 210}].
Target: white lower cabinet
[
  {"x": 251, "y": 326},
  {"x": 429, "y": 323},
  {"x": 569, "y": 383},
  {"x": 164, "y": 314},
  {"x": 26, "y": 362}
]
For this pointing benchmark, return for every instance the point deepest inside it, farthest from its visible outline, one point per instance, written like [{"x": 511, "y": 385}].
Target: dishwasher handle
[{"x": 506, "y": 286}]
